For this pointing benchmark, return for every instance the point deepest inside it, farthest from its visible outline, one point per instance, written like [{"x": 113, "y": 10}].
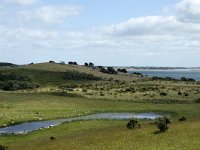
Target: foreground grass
[
  {"x": 25, "y": 107},
  {"x": 110, "y": 135}
]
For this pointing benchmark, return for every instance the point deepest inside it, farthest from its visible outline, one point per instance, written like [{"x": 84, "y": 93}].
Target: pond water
[
  {"x": 176, "y": 73},
  {"x": 38, "y": 125}
]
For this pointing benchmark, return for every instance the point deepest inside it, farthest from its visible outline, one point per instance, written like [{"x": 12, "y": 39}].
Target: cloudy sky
[{"x": 106, "y": 32}]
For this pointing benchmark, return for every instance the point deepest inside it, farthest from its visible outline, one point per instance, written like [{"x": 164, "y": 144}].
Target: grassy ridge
[{"x": 55, "y": 67}]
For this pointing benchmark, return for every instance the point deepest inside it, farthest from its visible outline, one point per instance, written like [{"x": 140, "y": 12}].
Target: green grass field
[{"x": 114, "y": 93}]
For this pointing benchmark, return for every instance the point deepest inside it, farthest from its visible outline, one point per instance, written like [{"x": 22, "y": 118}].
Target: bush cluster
[
  {"x": 137, "y": 73},
  {"x": 72, "y": 63},
  {"x": 75, "y": 75},
  {"x": 109, "y": 70},
  {"x": 12, "y": 82},
  {"x": 122, "y": 70},
  {"x": 3, "y": 147},
  {"x": 187, "y": 79},
  {"x": 90, "y": 64}
]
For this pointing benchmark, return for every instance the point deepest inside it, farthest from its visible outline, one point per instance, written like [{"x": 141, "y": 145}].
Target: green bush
[
  {"x": 186, "y": 94},
  {"x": 12, "y": 82},
  {"x": 75, "y": 75},
  {"x": 162, "y": 123},
  {"x": 163, "y": 94},
  {"x": 52, "y": 138},
  {"x": 84, "y": 90},
  {"x": 179, "y": 93},
  {"x": 133, "y": 124},
  {"x": 3, "y": 147},
  {"x": 182, "y": 118},
  {"x": 197, "y": 100}
]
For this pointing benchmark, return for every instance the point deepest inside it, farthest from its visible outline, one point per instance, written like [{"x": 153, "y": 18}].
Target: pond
[{"x": 27, "y": 127}]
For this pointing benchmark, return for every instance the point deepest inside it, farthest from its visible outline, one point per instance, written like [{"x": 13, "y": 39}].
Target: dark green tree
[
  {"x": 91, "y": 64},
  {"x": 86, "y": 65}
]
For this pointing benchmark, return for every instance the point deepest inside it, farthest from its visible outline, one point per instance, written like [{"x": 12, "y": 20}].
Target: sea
[{"x": 175, "y": 73}]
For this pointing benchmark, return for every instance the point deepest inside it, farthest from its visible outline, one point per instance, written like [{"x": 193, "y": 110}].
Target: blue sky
[{"x": 106, "y": 32}]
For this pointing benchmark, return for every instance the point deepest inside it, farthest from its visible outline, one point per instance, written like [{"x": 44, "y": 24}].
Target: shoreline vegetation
[{"x": 53, "y": 90}]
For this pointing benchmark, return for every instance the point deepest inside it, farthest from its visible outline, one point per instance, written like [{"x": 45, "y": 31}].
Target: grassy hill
[
  {"x": 56, "y": 67},
  {"x": 52, "y": 73},
  {"x": 61, "y": 96}
]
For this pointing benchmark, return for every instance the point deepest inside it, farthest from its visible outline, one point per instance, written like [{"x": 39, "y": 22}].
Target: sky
[{"x": 105, "y": 32}]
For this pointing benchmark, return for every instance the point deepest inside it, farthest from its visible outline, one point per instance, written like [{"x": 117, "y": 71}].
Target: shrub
[
  {"x": 162, "y": 123},
  {"x": 72, "y": 63},
  {"x": 103, "y": 70},
  {"x": 132, "y": 124},
  {"x": 163, "y": 94},
  {"x": 51, "y": 61},
  {"x": 197, "y": 100},
  {"x": 75, "y": 75},
  {"x": 182, "y": 118},
  {"x": 183, "y": 79},
  {"x": 12, "y": 81},
  {"x": 186, "y": 94},
  {"x": 111, "y": 70},
  {"x": 179, "y": 93},
  {"x": 84, "y": 90},
  {"x": 122, "y": 70},
  {"x": 101, "y": 94},
  {"x": 52, "y": 138},
  {"x": 3, "y": 147},
  {"x": 137, "y": 73}
]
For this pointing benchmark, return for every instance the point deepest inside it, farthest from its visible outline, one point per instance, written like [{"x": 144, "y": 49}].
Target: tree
[
  {"x": 91, "y": 64},
  {"x": 119, "y": 70},
  {"x": 124, "y": 70},
  {"x": 103, "y": 70},
  {"x": 184, "y": 79},
  {"x": 162, "y": 123},
  {"x": 86, "y": 64},
  {"x": 72, "y": 63},
  {"x": 111, "y": 70},
  {"x": 51, "y": 61}
]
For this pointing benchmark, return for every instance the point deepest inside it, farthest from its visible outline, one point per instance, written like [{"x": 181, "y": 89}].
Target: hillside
[
  {"x": 56, "y": 67},
  {"x": 52, "y": 73}
]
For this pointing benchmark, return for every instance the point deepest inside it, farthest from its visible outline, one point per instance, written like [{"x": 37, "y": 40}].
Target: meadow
[{"x": 58, "y": 97}]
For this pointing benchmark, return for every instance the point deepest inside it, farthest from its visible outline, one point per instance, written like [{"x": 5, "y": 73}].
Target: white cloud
[
  {"x": 189, "y": 10},
  {"x": 50, "y": 13},
  {"x": 21, "y": 2},
  {"x": 159, "y": 39},
  {"x": 151, "y": 25}
]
